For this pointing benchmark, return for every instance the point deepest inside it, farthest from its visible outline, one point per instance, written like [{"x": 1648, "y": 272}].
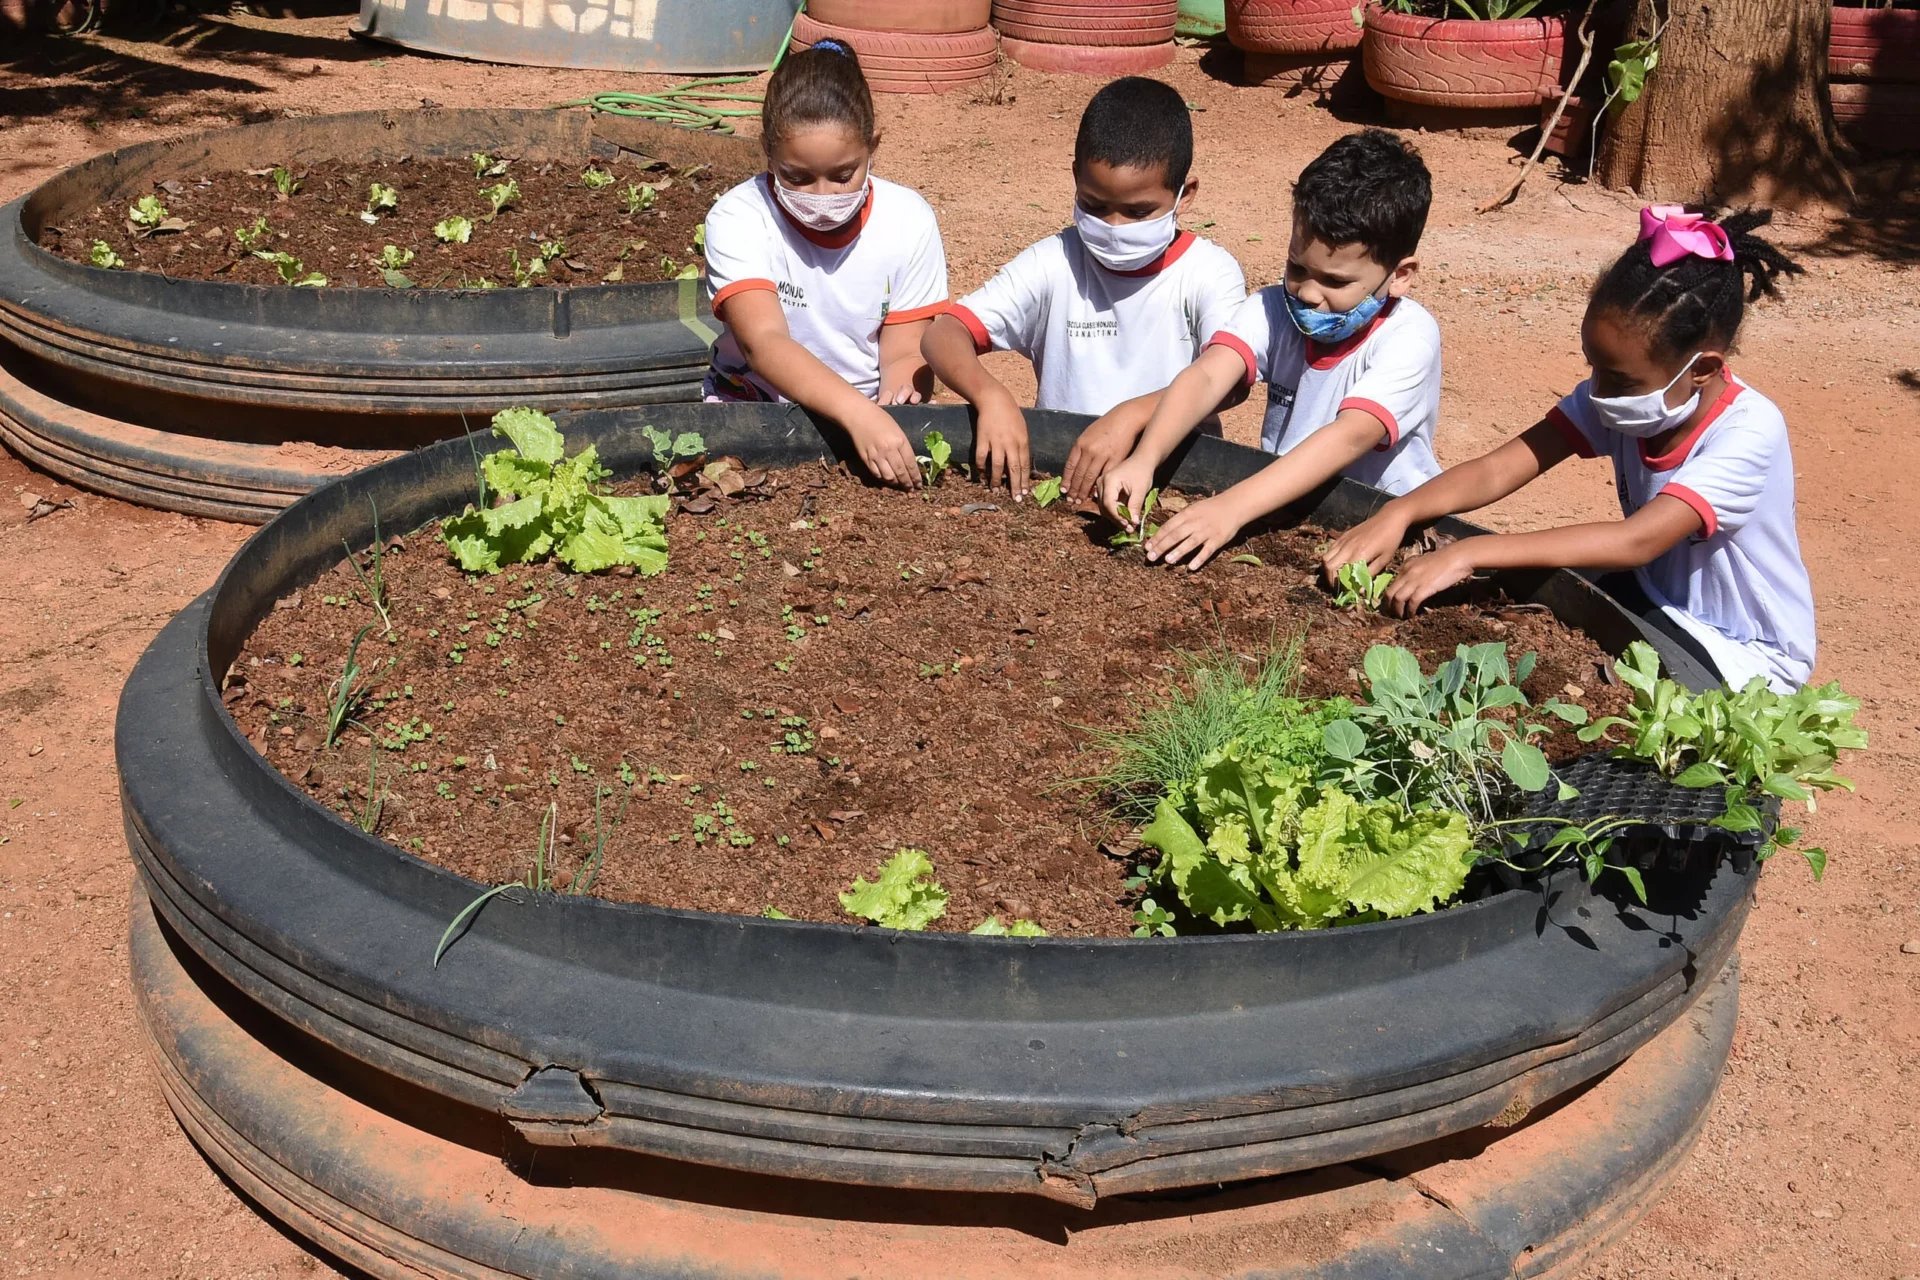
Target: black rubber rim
[{"x": 861, "y": 1055}]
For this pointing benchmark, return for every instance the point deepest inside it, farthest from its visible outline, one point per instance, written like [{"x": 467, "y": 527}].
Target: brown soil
[
  {"x": 934, "y": 659},
  {"x": 1813, "y": 1139},
  {"x": 590, "y": 237}
]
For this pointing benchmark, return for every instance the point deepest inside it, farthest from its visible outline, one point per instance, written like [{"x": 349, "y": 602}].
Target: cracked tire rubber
[{"x": 1458, "y": 62}]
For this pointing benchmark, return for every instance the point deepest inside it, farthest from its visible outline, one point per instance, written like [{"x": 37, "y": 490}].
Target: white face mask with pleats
[
  {"x": 1125, "y": 246},
  {"x": 1644, "y": 416},
  {"x": 822, "y": 212}
]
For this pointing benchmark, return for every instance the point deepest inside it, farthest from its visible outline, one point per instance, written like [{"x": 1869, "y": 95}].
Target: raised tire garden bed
[
  {"x": 1292, "y": 26},
  {"x": 401, "y": 1183},
  {"x": 339, "y": 367},
  {"x": 1875, "y": 44},
  {"x": 1071, "y": 23},
  {"x": 850, "y": 1054},
  {"x": 1511, "y": 64},
  {"x": 935, "y": 17},
  {"x": 909, "y": 61},
  {"x": 1087, "y": 60}
]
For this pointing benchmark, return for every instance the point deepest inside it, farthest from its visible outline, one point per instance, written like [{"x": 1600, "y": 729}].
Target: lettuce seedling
[
  {"x": 147, "y": 213},
  {"x": 1136, "y": 531},
  {"x": 550, "y": 504},
  {"x": 593, "y": 179},
  {"x": 285, "y": 183},
  {"x": 1047, "y": 492},
  {"x": 292, "y": 270},
  {"x": 903, "y": 896},
  {"x": 992, "y": 928},
  {"x": 379, "y": 199},
  {"x": 638, "y": 199},
  {"x": 104, "y": 257},
  {"x": 454, "y": 230},
  {"x": 485, "y": 166},
  {"x": 669, "y": 450},
  {"x": 1361, "y": 589},
  {"x": 525, "y": 274},
  {"x": 250, "y": 238},
  {"x": 499, "y": 196},
  {"x": 393, "y": 257},
  {"x": 934, "y": 462}
]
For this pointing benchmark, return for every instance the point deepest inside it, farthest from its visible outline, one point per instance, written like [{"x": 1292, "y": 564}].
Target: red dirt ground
[{"x": 1810, "y": 1166}]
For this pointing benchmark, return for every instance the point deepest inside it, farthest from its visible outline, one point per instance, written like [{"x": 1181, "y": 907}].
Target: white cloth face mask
[
  {"x": 1645, "y": 415},
  {"x": 1125, "y": 246},
  {"x": 822, "y": 212}
]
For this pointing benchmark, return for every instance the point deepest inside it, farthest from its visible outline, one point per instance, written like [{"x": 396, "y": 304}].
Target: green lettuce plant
[
  {"x": 935, "y": 461},
  {"x": 1047, "y": 492},
  {"x": 454, "y": 230},
  {"x": 1360, "y": 587},
  {"x": 103, "y": 256},
  {"x": 903, "y": 894}
]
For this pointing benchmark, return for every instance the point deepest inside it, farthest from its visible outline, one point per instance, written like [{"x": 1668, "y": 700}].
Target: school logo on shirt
[
  {"x": 792, "y": 294},
  {"x": 1093, "y": 329}
]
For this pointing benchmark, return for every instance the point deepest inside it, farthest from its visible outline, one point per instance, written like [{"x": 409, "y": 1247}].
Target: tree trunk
[{"x": 1735, "y": 111}]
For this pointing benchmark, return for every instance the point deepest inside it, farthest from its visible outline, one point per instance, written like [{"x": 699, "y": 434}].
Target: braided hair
[{"x": 1694, "y": 303}]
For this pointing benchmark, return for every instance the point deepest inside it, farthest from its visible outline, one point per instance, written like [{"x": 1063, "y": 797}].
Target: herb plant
[
  {"x": 285, "y": 183},
  {"x": 934, "y": 462},
  {"x": 103, "y": 256},
  {"x": 1047, "y": 492},
  {"x": 346, "y": 694},
  {"x": 376, "y": 584},
  {"x": 147, "y": 213},
  {"x": 1360, "y": 587},
  {"x": 454, "y": 230},
  {"x": 550, "y": 504},
  {"x": 1138, "y": 531},
  {"x": 903, "y": 895},
  {"x": 669, "y": 450}
]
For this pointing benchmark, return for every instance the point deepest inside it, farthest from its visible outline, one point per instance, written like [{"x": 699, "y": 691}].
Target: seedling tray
[{"x": 1672, "y": 825}]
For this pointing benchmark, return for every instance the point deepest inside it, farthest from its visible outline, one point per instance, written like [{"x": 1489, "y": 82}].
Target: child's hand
[
  {"x": 884, "y": 450},
  {"x": 1427, "y": 575},
  {"x": 1197, "y": 532},
  {"x": 1126, "y": 486},
  {"x": 1374, "y": 540},
  {"x": 906, "y": 381},
  {"x": 1104, "y": 444},
  {"x": 1000, "y": 446}
]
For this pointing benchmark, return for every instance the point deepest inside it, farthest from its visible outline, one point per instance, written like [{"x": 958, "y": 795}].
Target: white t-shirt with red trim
[
  {"x": 1739, "y": 585},
  {"x": 1390, "y": 369},
  {"x": 1098, "y": 337},
  {"x": 837, "y": 288}
]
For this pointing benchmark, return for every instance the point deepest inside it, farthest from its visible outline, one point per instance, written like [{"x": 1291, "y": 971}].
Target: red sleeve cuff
[
  {"x": 1373, "y": 408},
  {"x": 741, "y": 286},
  {"x": 982, "y": 341},
  {"x": 927, "y": 312},
  {"x": 1239, "y": 348},
  {"x": 1576, "y": 438},
  {"x": 1709, "y": 522}
]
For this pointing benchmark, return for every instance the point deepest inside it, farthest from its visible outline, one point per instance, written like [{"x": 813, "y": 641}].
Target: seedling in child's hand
[
  {"x": 1138, "y": 531},
  {"x": 454, "y": 230},
  {"x": 934, "y": 462},
  {"x": 104, "y": 257},
  {"x": 499, "y": 196},
  {"x": 1047, "y": 492},
  {"x": 1361, "y": 589},
  {"x": 284, "y": 183},
  {"x": 593, "y": 179},
  {"x": 379, "y": 200}
]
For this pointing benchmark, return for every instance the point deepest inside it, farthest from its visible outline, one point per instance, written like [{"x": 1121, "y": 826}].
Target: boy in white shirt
[
  {"x": 1109, "y": 309},
  {"x": 1352, "y": 365}
]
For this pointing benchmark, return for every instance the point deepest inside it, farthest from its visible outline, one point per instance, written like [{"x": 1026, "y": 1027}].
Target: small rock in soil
[{"x": 1911, "y": 947}]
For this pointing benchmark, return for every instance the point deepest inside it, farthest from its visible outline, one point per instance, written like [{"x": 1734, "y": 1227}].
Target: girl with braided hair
[{"x": 1700, "y": 461}]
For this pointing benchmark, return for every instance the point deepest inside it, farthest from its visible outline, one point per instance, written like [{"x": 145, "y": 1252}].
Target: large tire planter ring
[
  {"x": 909, "y": 62},
  {"x": 1069, "y": 23},
  {"x": 1875, "y": 44},
  {"x": 379, "y": 1177},
  {"x": 934, "y": 17},
  {"x": 1458, "y": 62},
  {"x": 340, "y": 366},
  {"x": 932, "y": 1061},
  {"x": 1882, "y": 117},
  {"x": 1088, "y": 60},
  {"x": 1291, "y": 26}
]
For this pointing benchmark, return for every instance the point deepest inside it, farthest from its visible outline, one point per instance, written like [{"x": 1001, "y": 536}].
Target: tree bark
[{"x": 1736, "y": 111}]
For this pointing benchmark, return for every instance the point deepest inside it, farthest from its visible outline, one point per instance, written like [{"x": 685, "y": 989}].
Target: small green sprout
[
  {"x": 104, "y": 257},
  {"x": 485, "y": 166},
  {"x": 934, "y": 463},
  {"x": 638, "y": 199},
  {"x": 454, "y": 230},
  {"x": 1047, "y": 492},
  {"x": 1360, "y": 588},
  {"x": 285, "y": 183},
  {"x": 593, "y": 179},
  {"x": 250, "y": 238},
  {"x": 499, "y": 196},
  {"x": 292, "y": 270},
  {"x": 379, "y": 200},
  {"x": 147, "y": 213}
]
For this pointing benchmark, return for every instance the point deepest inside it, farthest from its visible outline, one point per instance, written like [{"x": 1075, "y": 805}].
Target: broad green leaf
[
  {"x": 1392, "y": 671},
  {"x": 1173, "y": 835},
  {"x": 1701, "y": 774},
  {"x": 1524, "y": 668},
  {"x": 507, "y": 472},
  {"x": 1225, "y": 895},
  {"x": 1639, "y": 886},
  {"x": 1816, "y": 862},
  {"x": 1785, "y": 787},
  {"x": 533, "y": 434},
  {"x": 1526, "y": 764},
  {"x": 1047, "y": 492},
  {"x": 689, "y": 444},
  {"x": 1343, "y": 740},
  {"x": 903, "y": 896}
]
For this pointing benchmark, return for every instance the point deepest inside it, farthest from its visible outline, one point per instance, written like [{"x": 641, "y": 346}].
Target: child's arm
[
  {"x": 1000, "y": 447},
  {"x": 1208, "y": 525},
  {"x": 759, "y": 326},
  {"x": 1193, "y": 394},
  {"x": 904, "y": 375}
]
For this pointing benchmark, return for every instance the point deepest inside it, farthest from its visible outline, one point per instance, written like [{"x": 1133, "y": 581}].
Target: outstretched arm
[{"x": 1000, "y": 449}]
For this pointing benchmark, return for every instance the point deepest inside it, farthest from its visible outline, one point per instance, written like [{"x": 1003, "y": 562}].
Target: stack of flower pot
[
  {"x": 1491, "y": 71},
  {"x": 1874, "y": 63},
  {"x": 907, "y": 46},
  {"x": 1305, "y": 43},
  {"x": 1094, "y": 37}
]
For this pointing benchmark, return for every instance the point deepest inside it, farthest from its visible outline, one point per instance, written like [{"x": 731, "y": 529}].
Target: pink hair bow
[{"x": 1675, "y": 233}]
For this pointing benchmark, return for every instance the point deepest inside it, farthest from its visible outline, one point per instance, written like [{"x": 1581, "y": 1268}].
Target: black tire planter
[
  {"x": 1073, "y": 1068},
  {"x": 403, "y": 1184},
  {"x": 348, "y": 367}
]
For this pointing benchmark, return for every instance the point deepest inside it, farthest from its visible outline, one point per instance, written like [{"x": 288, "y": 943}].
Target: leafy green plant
[
  {"x": 1494, "y": 10},
  {"x": 346, "y": 694},
  {"x": 379, "y": 200},
  {"x": 368, "y": 819},
  {"x": 672, "y": 270},
  {"x": 285, "y": 183},
  {"x": 1361, "y": 588},
  {"x": 1047, "y": 492},
  {"x": 292, "y": 270},
  {"x": 903, "y": 895},
  {"x": 1134, "y": 532},
  {"x": 638, "y": 199},
  {"x": 103, "y": 256},
  {"x": 453, "y": 230},
  {"x": 992, "y": 928},
  {"x": 525, "y": 274},
  {"x": 550, "y": 504},
  {"x": 1628, "y": 70},
  {"x": 935, "y": 461},
  {"x": 147, "y": 212},
  {"x": 375, "y": 584},
  {"x": 485, "y": 166},
  {"x": 499, "y": 196},
  {"x": 250, "y": 238},
  {"x": 593, "y": 179},
  {"x": 392, "y": 257},
  {"x": 670, "y": 450}
]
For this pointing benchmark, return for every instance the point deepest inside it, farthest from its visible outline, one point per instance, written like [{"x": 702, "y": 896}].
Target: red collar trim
[
  {"x": 1324, "y": 357},
  {"x": 838, "y": 239},
  {"x": 1168, "y": 256},
  {"x": 1678, "y": 454}
]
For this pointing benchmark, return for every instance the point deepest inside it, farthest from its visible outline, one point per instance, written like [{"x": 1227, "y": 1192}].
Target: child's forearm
[
  {"x": 801, "y": 377},
  {"x": 1196, "y": 392},
  {"x": 1608, "y": 545},
  {"x": 949, "y": 351},
  {"x": 1320, "y": 457},
  {"x": 1482, "y": 481}
]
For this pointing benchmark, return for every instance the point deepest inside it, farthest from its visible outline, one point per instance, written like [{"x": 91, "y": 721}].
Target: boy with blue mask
[
  {"x": 1109, "y": 309},
  {"x": 1352, "y": 365}
]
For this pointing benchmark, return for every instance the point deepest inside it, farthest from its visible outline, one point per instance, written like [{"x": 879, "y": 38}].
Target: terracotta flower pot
[
  {"x": 1462, "y": 62},
  {"x": 943, "y": 17},
  {"x": 1292, "y": 26},
  {"x": 1875, "y": 44}
]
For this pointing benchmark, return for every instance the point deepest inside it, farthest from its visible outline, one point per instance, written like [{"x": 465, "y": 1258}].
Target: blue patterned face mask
[{"x": 1333, "y": 326}]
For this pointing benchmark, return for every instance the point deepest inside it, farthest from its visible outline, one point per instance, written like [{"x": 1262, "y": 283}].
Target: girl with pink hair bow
[{"x": 1701, "y": 463}]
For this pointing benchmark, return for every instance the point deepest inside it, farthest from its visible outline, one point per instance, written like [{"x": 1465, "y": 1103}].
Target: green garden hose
[{"x": 685, "y": 105}]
